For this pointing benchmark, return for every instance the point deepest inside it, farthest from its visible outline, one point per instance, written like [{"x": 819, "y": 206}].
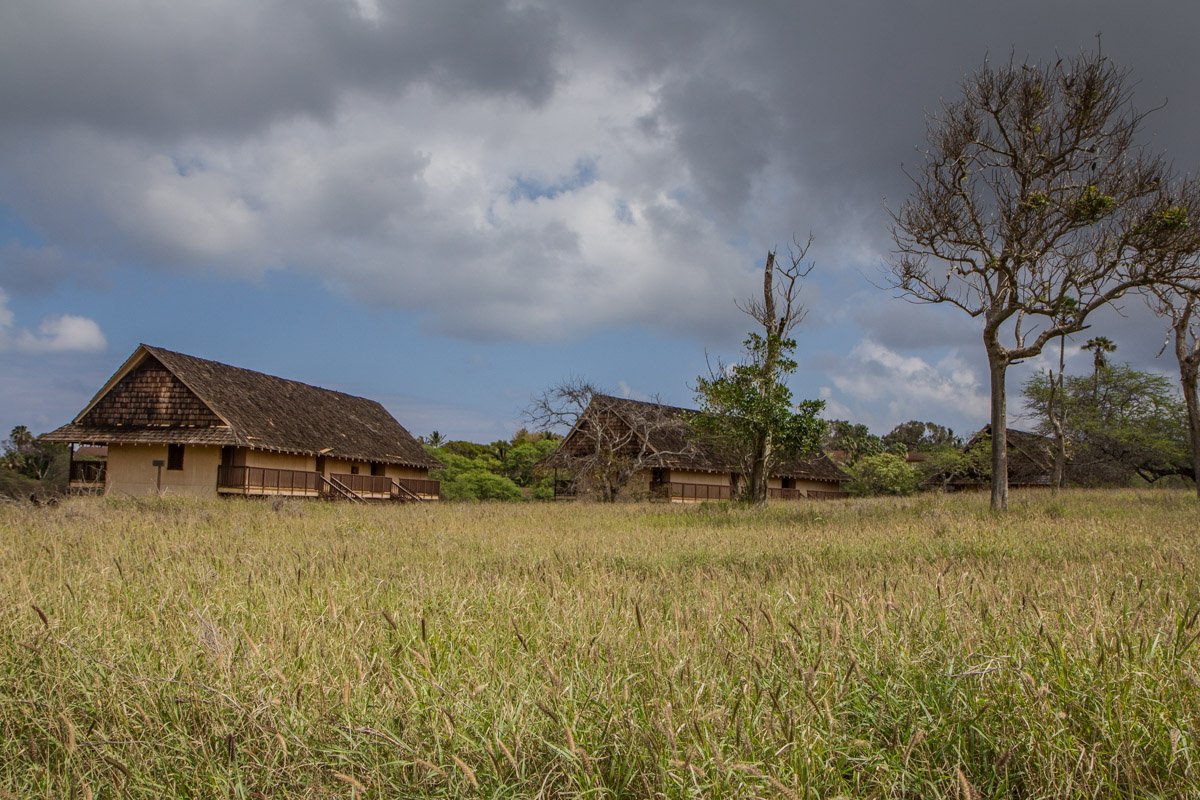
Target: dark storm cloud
[
  {"x": 157, "y": 133},
  {"x": 715, "y": 118},
  {"x": 849, "y": 84},
  {"x": 172, "y": 69}
]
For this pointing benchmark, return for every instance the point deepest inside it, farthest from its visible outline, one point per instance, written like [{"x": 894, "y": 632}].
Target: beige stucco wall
[
  {"x": 259, "y": 458},
  {"x": 396, "y": 471},
  {"x": 131, "y": 471},
  {"x": 340, "y": 466},
  {"x": 817, "y": 486},
  {"x": 641, "y": 479},
  {"x": 707, "y": 478}
]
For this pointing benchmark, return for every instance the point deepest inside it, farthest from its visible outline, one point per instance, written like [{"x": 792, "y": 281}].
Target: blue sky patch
[{"x": 525, "y": 188}]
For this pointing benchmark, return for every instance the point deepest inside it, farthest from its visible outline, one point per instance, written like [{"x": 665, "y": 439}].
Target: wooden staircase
[{"x": 340, "y": 491}]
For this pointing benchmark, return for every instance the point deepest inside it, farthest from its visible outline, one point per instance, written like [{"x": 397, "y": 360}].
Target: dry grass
[{"x": 915, "y": 648}]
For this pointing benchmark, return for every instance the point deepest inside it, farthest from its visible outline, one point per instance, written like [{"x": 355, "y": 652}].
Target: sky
[{"x": 450, "y": 206}]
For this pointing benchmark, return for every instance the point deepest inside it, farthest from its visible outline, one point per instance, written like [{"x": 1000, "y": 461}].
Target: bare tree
[
  {"x": 1181, "y": 305},
  {"x": 748, "y": 407},
  {"x": 1035, "y": 205},
  {"x": 608, "y": 440}
]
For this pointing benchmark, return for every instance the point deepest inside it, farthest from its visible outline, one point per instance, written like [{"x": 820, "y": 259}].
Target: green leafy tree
[
  {"x": 919, "y": 437},
  {"x": 459, "y": 447},
  {"x": 1035, "y": 194},
  {"x": 948, "y": 464},
  {"x": 1120, "y": 421},
  {"x": 883, "y": 473},
  {"x": 479, "y": 484},
  {"x": 748, "y": 407},
  {"x": 37, "y": 460},
  {"x": 464, "y": 478},
  {"x": 522, "y": 457},
  {"x": 544, "y": 489},
  {"x": 852, "y": 440}
]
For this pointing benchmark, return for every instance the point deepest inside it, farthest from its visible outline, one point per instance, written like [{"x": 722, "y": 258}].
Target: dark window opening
[
  {"x": 789, "y": 483},
  {"x": 354, "y": 469},
  {"x": 376, "y": 469},
  {"x": 175, "y": 456}
]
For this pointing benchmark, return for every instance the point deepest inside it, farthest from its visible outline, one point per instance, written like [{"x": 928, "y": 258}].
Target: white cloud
[
  {"x": 61, "y": 333},
  {"x": 888, "y": 388},
  {"x": 834, "y": 408},
  {"x": 477, "y": 217}
]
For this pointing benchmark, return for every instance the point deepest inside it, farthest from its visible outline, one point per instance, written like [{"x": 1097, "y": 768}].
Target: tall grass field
[{"x": 878, "y": 649}]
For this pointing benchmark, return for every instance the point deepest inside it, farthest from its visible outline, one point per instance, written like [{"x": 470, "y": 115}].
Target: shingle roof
[
  {"x": 264, "y": 412},
  {"x": 1030, "y": 457},
  {"x": 669, "y": 434},
  {"x": 95, "y": 434}
]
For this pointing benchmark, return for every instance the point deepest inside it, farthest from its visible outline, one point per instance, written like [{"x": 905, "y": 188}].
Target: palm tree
[
  {"x": 1099, "y": 345},
  {"x": 435, "y": 439}
]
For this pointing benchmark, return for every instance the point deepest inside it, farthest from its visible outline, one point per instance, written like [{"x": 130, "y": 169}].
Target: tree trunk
[
  {"x": 1056, "y": 418},
  {"x": 1060, "y": 457},
  {"x": 756, "y": 490},
  {"x": 1193, "y": 411},
  {"x": 997, "y": 366},
  {"x": 1189, "y": 371},
  {"x": 1188, "y": 375}
]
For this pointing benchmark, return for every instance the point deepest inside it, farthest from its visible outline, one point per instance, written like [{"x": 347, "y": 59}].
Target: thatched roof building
[
  {"x": 244, "y": 431},
  {"x": 665, "y": 440},
  {"x": 1030, "y": 459},
  {"x": 161, "y": 396}
]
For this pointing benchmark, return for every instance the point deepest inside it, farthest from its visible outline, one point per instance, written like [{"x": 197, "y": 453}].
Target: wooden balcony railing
[
  {"x": 421, "y": 487},
  {"x": 267, "y": 480},
  {"x": 382, "y": 486},
  {"x": 365, "y": 485},
  {"x": 339, "y": 486},
  {"x": 803, "y": 494},
  {"x": 691, "y": 492},
  {"x": 815, "y": 495},
  {"x": 688, "y": 492}
]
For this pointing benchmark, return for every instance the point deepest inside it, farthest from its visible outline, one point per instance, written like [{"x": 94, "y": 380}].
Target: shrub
[
  {"x": 15, "y": 486},
  {"x": 479, "y": 484},
  {"x": 884, "y": 473}
]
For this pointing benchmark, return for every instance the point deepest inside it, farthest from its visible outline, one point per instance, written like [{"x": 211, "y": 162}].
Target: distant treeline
[{"x": 502, "y": 470}]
